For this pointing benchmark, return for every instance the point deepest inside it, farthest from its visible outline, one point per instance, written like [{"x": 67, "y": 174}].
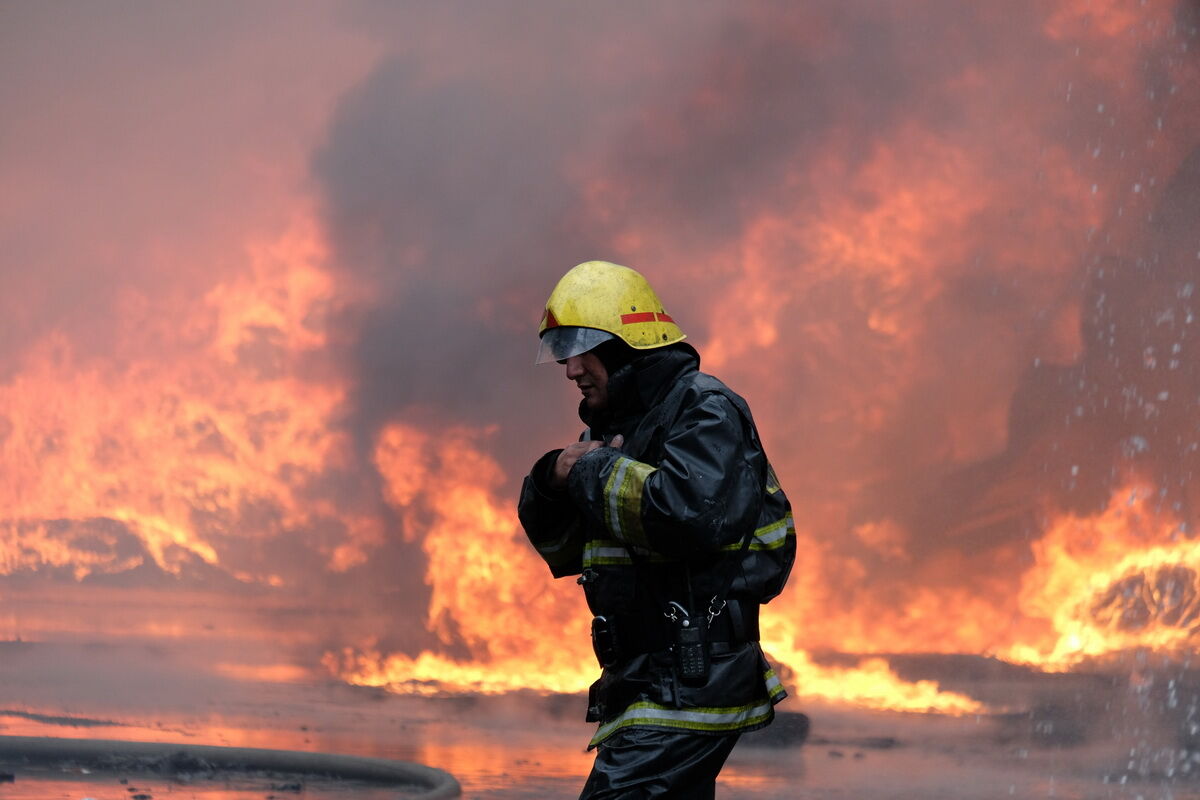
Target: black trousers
[{"x": 633, "y": 764}]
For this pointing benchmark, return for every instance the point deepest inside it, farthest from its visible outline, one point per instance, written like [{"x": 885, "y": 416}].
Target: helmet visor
[{"x": 566, "y": 341}]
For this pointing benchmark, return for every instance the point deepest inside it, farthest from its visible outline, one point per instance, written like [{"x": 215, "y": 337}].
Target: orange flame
[
  {"x": 1125, "y": 579},
  {"x": 170, "y": 450},
  {"x": 491, "y": 593}
]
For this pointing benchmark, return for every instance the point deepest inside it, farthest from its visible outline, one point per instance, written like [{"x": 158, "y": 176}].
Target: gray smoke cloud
[{"x": 447, "y": 199}]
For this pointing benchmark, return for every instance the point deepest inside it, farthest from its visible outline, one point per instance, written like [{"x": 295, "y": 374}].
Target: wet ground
[{"x": 1108, "y": 742}]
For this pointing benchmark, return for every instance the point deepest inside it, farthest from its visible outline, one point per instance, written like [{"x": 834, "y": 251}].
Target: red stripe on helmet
[
  {"x": 645, "y": 316},
  {"x": 551, "y": 321}
]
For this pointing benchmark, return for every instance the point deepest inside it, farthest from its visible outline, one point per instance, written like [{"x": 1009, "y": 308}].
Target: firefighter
[{"x": 668, "y": 511}]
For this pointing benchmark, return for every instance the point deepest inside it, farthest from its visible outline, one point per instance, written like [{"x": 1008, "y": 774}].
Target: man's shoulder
[
  {"x": 697, "y": 387},
  {"x": 701, "y": 383}
]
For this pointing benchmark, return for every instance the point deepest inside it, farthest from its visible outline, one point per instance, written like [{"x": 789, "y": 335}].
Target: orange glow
[{"x": 268, "y": 673}]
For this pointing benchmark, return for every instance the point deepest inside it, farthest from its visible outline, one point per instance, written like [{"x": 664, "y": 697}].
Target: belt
[{"x": 633, "y": 634}]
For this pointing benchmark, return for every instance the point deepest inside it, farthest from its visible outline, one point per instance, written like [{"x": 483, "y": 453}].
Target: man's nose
[{"x": 574, "y": 367}]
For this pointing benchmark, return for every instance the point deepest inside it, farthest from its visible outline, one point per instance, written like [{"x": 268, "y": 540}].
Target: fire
[
  {"x": 149, "y": 459},
  {"x": 491, "y": 595},
  {"x": 869, "y": 684},
  {"x": 1127, "y": 578}
]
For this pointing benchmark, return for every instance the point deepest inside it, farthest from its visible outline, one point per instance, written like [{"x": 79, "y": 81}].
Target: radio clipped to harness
[{"x": 689, "y": 645}]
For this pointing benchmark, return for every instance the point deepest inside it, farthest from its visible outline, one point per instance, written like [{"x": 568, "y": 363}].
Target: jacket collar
[{"x": 640, "y": 385}]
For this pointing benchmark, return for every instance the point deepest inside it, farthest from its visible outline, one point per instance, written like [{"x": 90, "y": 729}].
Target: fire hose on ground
[{"x": 416, "y": 780}]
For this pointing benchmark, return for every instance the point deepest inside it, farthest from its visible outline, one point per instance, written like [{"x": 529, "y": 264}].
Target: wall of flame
[{"x": 271, "y": 277}]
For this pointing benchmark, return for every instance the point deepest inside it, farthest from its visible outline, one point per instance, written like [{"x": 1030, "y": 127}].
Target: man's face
[{"x": 591, "y": 377}]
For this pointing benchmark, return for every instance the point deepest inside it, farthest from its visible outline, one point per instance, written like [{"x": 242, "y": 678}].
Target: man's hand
[{"x": 572, "y": 453}]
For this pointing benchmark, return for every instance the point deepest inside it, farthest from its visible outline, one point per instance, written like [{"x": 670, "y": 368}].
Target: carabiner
[
  {"x": 675, "y": 611},
  {"x": 713, "y": 612}
]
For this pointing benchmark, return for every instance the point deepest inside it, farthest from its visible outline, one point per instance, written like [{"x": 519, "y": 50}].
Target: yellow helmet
[{"x": 597, "y": 301}]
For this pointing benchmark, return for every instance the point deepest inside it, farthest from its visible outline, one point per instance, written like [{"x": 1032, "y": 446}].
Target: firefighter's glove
[{"x": 572, "y": 453}]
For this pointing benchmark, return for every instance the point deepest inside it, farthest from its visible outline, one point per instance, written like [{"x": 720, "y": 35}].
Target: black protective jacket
[{"x": 685, "y": 508}]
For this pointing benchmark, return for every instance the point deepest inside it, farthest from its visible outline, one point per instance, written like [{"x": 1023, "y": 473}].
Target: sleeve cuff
[{"x": 540, "y": 475}]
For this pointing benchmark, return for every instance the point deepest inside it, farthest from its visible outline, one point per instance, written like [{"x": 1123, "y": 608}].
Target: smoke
[
  {"x": 448, "y": 185},
  {"x": 445, "y": 200},
  {"x": 135, "y": 152}
]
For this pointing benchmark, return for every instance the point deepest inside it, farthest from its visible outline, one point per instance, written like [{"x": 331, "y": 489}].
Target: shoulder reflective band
[{"x": 623, "y": 500}]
